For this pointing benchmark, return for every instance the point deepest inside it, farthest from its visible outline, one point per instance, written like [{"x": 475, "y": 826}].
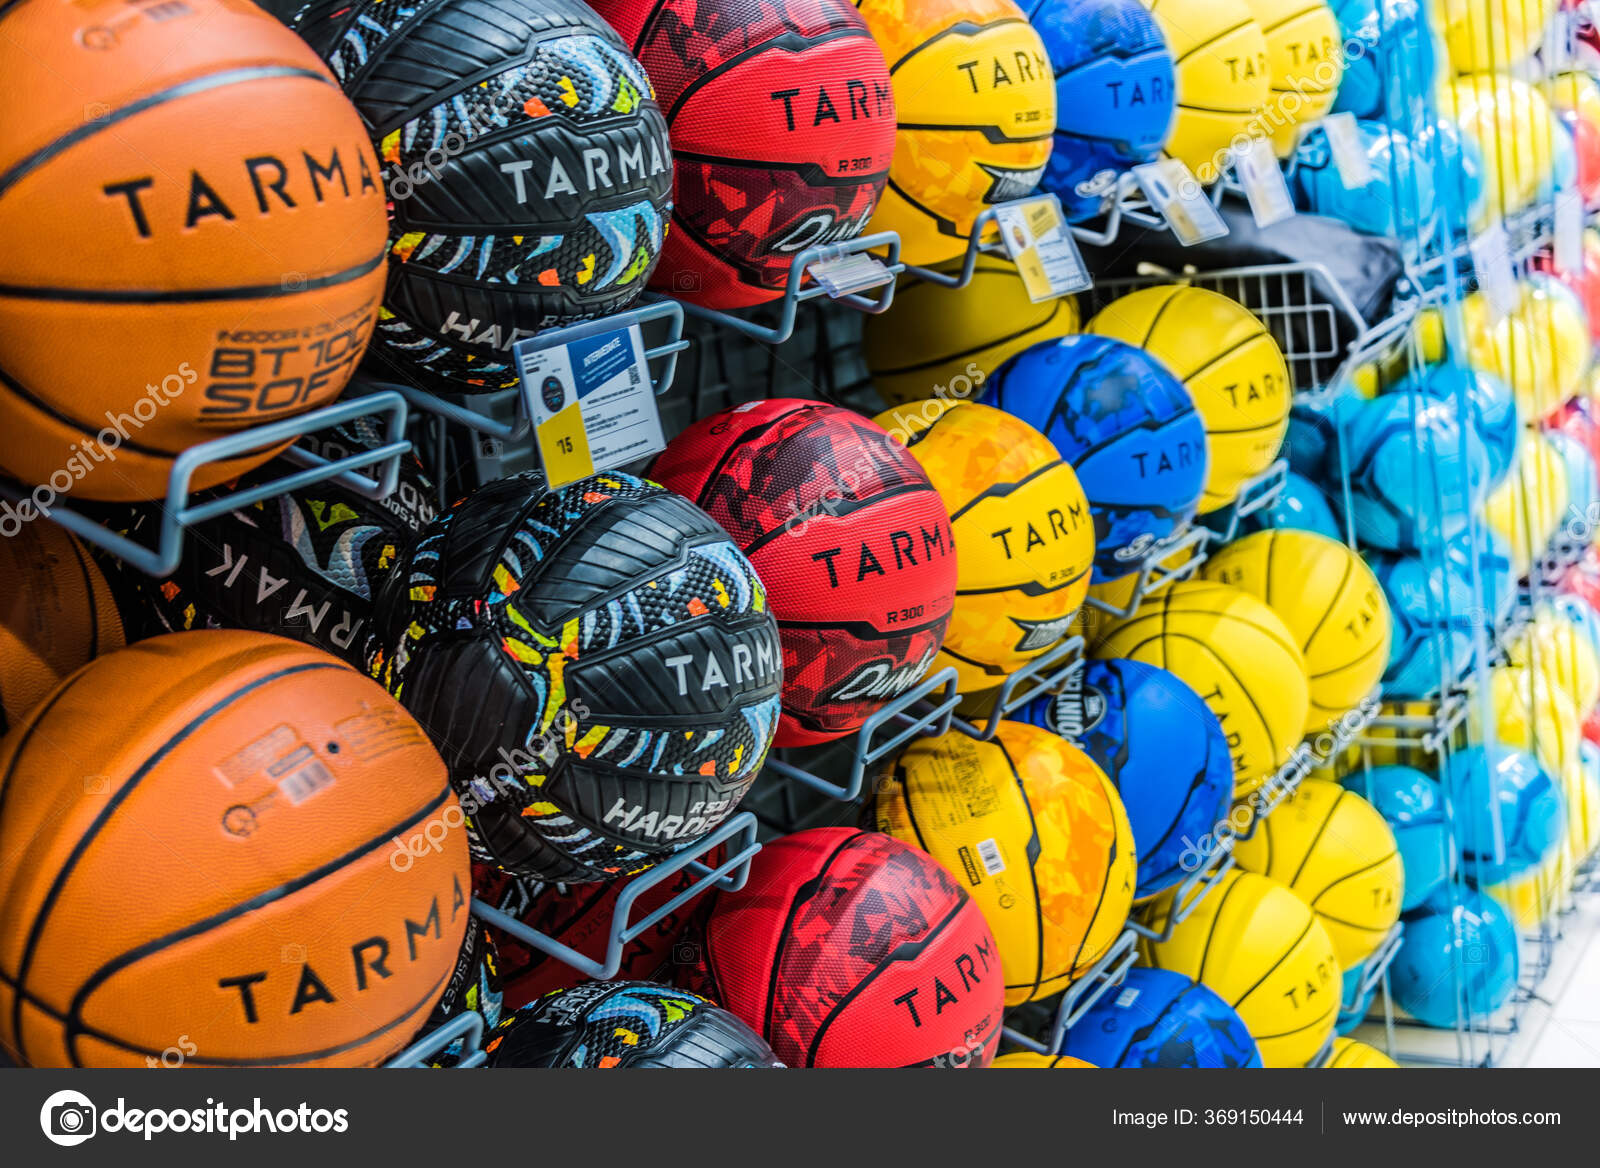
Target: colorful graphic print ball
[{"x": 597, "y": 664}]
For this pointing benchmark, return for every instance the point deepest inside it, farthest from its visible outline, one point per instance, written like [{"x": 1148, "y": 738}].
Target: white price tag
[
  {"x": 1174, "y": 191},
  {"x": 591, "y": 400},
  {"x": 1264, "y": 186},
  {"x": 843, "y": 275},
  {"x": 1569, "y": 232},
  {"x": 1491, "y": 259},
  {"x": 1037, "y": 240},
  {"x": 1349, "y": 150}
]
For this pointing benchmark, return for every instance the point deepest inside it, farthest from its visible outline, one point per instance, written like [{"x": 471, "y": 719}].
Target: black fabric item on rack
[{"x": 1368, "y": 267}]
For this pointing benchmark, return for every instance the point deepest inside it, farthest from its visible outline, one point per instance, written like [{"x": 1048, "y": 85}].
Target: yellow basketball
[
  {"x": 1510, "y": 121},
  {"x": 1238, "y": 655},
  {"x": 1531, "y": 715},
  {"x": 1542, "y": 349},
  {"x": 1331, "y": 602},
  {"x": 1020, "y": 1060},
  {"x": 1333, "y": 849},
  {"x": 1575, "y": 93},
  {"x": 975, "y": 98},
  {"x": 1486, "y": 35},
  {"x": 1527, "y": 898},
  {"x": 936, "y": 342},
  {"x": 1232, "y": 366},
  {"x": 1263, "y": 951},
  {"x": 1407, "y": 754},
  {"x": 1584, "y": 819},
  {"x": 1223, "y": 77},
  {"x": 1528, "y": 507},
  {"x": 1350, "y": 1055},
  {"x": 1036, "y": 834},
  {"x": 1305, "y": 57},
  {"x": 1562, "y": 653},
  {"x": 1022, "y": 523}
]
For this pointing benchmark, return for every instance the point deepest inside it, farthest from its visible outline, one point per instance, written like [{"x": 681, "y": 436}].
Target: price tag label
[
  {"x": 1263, "y": 182},
  {"x": 1569, "y": 231},
  {"x": 1349, "y": 150},
  {"x": 1491, "y": 259},
  {"x": 1037, "y": 240},
  {"x": 847, "y": 274},
  {"x": 591, "y": 400},
  {"x": 1174, "y": 191}
]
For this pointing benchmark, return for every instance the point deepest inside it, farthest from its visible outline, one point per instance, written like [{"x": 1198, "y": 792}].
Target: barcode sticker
[
  {"x": 300, "y": 785},
  {"x": 1127, "y": 997},
  {"x": 989, "y": 853}
]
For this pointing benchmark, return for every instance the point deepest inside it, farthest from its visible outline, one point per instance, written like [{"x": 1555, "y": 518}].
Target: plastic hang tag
[
  {"x": 592, "y": 402},
  {"x": 1264, "y": 185},
  {"x": 1174, "y": 191},
  {"x": 844, "y": 275},
  {"x": 1491, "y": 260},
  {"x": 1349, "y": 151},
  {"x": 1037, "y": 240},
  {"x": 1569, "y": 232}
]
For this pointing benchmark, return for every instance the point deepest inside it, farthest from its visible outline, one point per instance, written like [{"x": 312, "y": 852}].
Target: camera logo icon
[{"x": 67, "y": 1118}]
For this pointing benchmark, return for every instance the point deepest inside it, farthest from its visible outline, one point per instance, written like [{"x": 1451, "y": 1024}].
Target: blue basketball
[
  {"x": 1413, "y": 803},
  {"x": 1302, "y": 506},
  {"x": 1416, "y": 473},
  {"x": 1583, "y": 478},
  {"x": 1431, "y": 615},
  {"x": 1127, "y": 426},
  {"x": 1115, "y": 95},
  {"x": 1162, "y": 747},
  {"x": 1397, "y": 201},
  {"x": 1316, "y": 428},
  {"x": 1458, "y": 170},
  {"x": 1496, "y": 576},
  {"x": 1157, "y": 1018},
  {"x": 1353, "y": 1004},
  {"x": 1392, "y": 80},
  {"x": 1490, "y": 404},
  {"x": 1470, "y": 946},
  {"x": 1532, "y": 812}
]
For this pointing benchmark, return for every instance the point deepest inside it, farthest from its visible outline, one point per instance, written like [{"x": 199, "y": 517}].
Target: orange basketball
[
  {"x": 230, "y": 844},
  {"x": 198, "y": 232},
  {"x": 56, "y": 613}
]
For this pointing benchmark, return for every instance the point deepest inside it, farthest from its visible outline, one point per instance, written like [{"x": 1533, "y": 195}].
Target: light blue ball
[
  {"x": 1316, "y": 429},
  {"x": 1302, "y": 506},
  {"x": 1417, "y": 474},
  {"x": 1398, "y": 201},
  {"x": 1483, "y": 780},
  {"x": 1459, "y": 173},
  {"x": 1431, "y": 616},
  {"x": 1413, "y": 803},
  {"x": 1583, "y": 478},
  {"x": 1463, "y": 953},
  {"x": 1490, "y": 404},
  {"x": 1353, "y": 1005},
  {"x": 1393, "y": 79}
]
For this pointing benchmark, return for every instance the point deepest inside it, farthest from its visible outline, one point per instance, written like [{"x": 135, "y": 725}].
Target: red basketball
[
  {"x": 851, "y": 949},
  {"x": 850, "y": 538},
  {"x": 1586, "y": 142},
  {"x": 782, "y": 121}
]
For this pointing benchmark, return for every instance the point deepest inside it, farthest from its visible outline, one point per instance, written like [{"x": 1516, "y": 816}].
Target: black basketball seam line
[
  {"x": 890, "y": 960},
  {"x": 1195, "y": 784},
  {"x": 959, "y": 28},
  {"x": 1266, "y": 575},
  {"x": 1147, "y": 424},
  {"x": 34, "y": 718},
  {"x": 411, "y": 1011},
  {"x": 818, "y": 175},
  {"x": 1211, "y": 933},
  {"x": 1213, "y": 39},
  {"x": 1233, "y": 431},
  {"x": 1028, "y": 587},
  {"x": 1376, "y": 930},
  {"x": 7, "y": 7},
  {"x": 237, "y": 911},
  {"x": 195, "y": 295},
  {"x": 1230, "y": 111},
  {"x": 206, "y": 82},
  {"x": 1226, "y": 353},
  {"x": 863, "y": 631},
  {"x": 790, "y": 40},
  {"x": 1244, "y": 620},
  {"x": 800, "y": 897},
  {"x": 1279, "y": 23},
  {"x": 1348, "y": 876},
  {"x": 1368, "y": 652},
  {"x": 1155, "y": 319},
  {"x": 1321, "y": 1020},
  {"x": 42, "y": 914},
  {"x": 900, "y": 370},
  {"x": 1311, "y": 920},
  {"x": 1272, "y": 739},
  {"x": 1033, "y": 879},
  {"x": 1007, "y": 489},
  {"x": 1316, "y": 838},
  {"x": 842, "y": 507},
  {"x": 1105, "y": 883},
  {"x": 899, "y": 776},
  {"x": 88, "y": 588},
  {"x": 1349, "y": 570},
  {"x": 27, "y": 397},
  {"x": 991, "y": 134},
  {"x": 942, "y": 226}
]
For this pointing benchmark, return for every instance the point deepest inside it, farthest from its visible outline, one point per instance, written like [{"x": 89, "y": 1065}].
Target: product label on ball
[
  {"x": 1038, "y": 242},
  {"x": 1174, "y": 191},
  {"x": 591, "y": 399},
  {"x": 1349, "y": 150},
  {"x": 1256, "y": 167}
]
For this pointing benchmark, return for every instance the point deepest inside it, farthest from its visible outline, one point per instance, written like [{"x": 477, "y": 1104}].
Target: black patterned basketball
[
  {"x": 303, "y": 564},
  {"x": 597, "y": 664},
  {"x": 474, "y": 987},
  {"x": 527, "y": 167},
  {"x": 626, "y": 1024}
]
